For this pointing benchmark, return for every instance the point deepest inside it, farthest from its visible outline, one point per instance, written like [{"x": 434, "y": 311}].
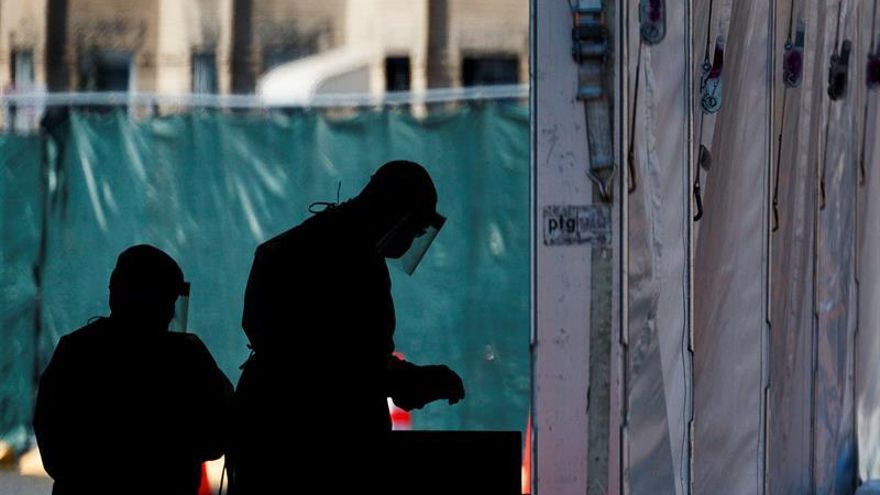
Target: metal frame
[
  {"x": 446, "y": 95},
  {"x": 561, "y": 274}
]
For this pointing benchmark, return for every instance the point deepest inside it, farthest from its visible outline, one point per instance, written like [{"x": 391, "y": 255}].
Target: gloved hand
[
  {"x": 445, "y": 383},
  {"x": 430, "y": 383}
]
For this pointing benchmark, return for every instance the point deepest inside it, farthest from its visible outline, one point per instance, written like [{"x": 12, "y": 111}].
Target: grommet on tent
[
  {"x": 710, "y": 84},
  {"x": 705, "y": 158},
  {"x": 793, "y": 58},
  {"x": 652, "y": 20},
  {"x": 872, "y": 69},
  {"x": 837, "y": 72}
]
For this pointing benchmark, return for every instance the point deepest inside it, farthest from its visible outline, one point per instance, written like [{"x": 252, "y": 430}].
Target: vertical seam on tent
[
  {"x": 818, "y": 190},
  {"x": 623, "y": 338},
  {"x": 768, "y": 245},
  {"x": 709, "y": 28},
  {"x": 689, "y": 124},
  {"x": 855, "y": 278},
  {"x": 684, "y": 454},
  {"x": 860, "y": 181},
  {"x": 767, "y": 232}
]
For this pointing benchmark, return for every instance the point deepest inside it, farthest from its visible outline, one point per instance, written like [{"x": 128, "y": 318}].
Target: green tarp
[
  {"x": 21, "y": 220},
  {"x": 208, "y": 187}
]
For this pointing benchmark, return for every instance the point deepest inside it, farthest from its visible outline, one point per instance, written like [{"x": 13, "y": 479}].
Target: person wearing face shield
[
  {"x": 320, "y": 320},
  {"x": 124, "y": 405}
]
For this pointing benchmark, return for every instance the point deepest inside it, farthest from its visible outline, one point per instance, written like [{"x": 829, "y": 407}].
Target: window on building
[
  {"x": 273, "y": 56},
  {"x": 22, "y": 72},
  {"x": 490, "y": 70},
  {"x": 397, "y": 74},
  {"x": 23, "y": 69},
  {"x": 204, "y": 73},
  {"x": 106, "y": 71}
]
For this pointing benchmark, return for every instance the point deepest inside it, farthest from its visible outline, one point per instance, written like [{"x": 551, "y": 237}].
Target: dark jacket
[
  {"x": 319, "y": 315},
  {"x": 122, "y": 412}
]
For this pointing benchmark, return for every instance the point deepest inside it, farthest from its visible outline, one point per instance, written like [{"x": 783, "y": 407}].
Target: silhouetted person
[
  {"x": 312, "y": 404},
  {"x": 125, "y": 406}
]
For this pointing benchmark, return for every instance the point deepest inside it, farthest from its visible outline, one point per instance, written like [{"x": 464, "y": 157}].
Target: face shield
[
  {"x": 410, "y": 239},
  {"x": 181, "y": 310}
]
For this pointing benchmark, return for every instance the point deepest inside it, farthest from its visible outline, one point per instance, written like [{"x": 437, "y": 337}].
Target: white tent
[{"x": 749, "y": 337}]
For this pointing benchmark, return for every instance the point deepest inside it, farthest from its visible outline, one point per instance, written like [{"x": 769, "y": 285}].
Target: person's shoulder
[
  {"x": 185, "y": 344},
  {"x": 187, "y": 340},
  {"x": 82, "y": 344},
  {"x": 96, "y": 329},
  {"x": 186, "y": 351},
  {"x": 313, "y": 233},
  {"x": 282, "y": 241}
]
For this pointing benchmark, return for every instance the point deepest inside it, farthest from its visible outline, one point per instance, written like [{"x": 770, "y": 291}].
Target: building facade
[{"x": 227, "y": 46}]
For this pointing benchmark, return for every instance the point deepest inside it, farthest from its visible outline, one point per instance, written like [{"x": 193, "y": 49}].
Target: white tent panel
[
  {"x": 562, "y": 273},
  {"x": 789, "y": 442},
  {"x": 834, "y": 441},
  {"x": 868, "y": 344},
  {"x": 868, "y": 391},
  {"x": 730, "y": 270},
  {"x": 660, "y": 387}
]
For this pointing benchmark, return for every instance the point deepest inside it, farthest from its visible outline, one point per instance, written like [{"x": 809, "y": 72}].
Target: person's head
[
  {"x": 403, "y": 205},
  {"x": 144, "y": 286}
]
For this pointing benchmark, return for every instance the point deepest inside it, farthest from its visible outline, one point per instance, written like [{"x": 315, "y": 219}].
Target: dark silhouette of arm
[
  {"x": 272, "y": 294},
  {"x": 55, "y": 419},
  {"x": 412, "y": 386},
  {"x": 209, "y": 399}
]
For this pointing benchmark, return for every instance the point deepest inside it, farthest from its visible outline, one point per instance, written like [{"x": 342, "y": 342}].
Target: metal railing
[
  {"x": 121, "y": 98},
  {"x": 22, "y": 112}
]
